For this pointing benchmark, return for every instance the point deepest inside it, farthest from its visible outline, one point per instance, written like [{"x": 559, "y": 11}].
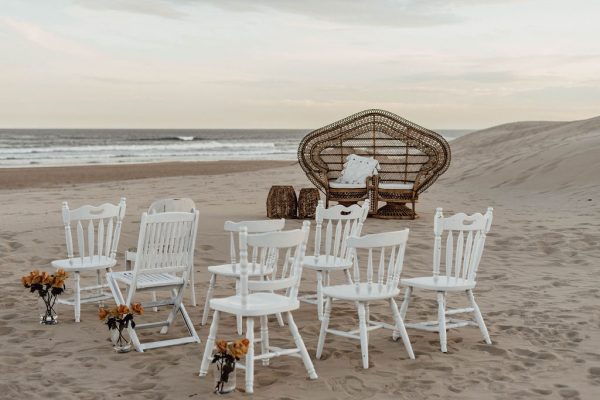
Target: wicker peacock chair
[{"x": 411, "y": 158}]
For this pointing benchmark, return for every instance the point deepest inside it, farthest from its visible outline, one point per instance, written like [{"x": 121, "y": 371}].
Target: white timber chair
[
  {"x": 164, "y": 261},
  {"x": 462, "y": 258},
  {"x": 183, "y": 204},
  {"x": 378, "y": 283},
  {"x": 259, "y": 299},
  {"x": 96, "y": 248},
  {"x": 232, "y": 269},
  {"x": 331, "y": 252}
]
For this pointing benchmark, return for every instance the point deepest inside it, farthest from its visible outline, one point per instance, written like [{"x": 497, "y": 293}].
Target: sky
[{"x": 448, "y": 64}]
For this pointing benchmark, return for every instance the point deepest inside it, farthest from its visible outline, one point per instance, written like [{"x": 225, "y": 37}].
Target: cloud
[
  {"x": 158, "y": 8},
  {"x": 46, "y": 39},
  {"x": 390, "y": 13}
]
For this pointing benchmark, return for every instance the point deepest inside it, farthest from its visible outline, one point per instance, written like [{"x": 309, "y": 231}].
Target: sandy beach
[{"x": 537, "y": 284}]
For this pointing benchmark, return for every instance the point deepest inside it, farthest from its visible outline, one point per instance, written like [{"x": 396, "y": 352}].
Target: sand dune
[{"x": 537, "y": 286}]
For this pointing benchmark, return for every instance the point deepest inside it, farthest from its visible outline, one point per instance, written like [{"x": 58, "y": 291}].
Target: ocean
[{"x": 45, "y": 147}]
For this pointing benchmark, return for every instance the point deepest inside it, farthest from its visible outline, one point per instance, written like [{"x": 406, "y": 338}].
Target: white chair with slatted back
[
  {"x": 183, "y": 204},
  {"x": 378, "y": 283},
  {"x": 283, "y": 252},
  {"x": 232, "y": 269},
  {"x": 331, "y": 251},
  {"x": 461, "y": 264},
  {"x": 96, "y": 248},
  {"x": 164, "y": 261}
]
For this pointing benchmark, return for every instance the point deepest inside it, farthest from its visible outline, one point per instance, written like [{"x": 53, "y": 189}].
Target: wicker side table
[
  {"x": 282, "y": 202},
  {"x": 307, "y": 202}
]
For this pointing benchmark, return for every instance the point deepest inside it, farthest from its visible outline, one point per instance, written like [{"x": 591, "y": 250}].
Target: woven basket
[{"x": 282, "y": 202}]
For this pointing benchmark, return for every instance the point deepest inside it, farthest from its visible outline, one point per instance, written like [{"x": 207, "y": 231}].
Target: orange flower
[
  {"x": 46, "y": 278},
  {"x": 137, "y": 308},
  {"x": 36, "y": 279},
  {"x": 57, "y": 283},
  {"x": 102, "y": 313},
  {"x": 245, "y": 342},
  {"x": 123, "y": 309},
  {"x": 26, "y": 280},
  {"x": 221, "y": 346},
  {"x": 61, "y": 274},
  {"x": 114, "y": 311}
]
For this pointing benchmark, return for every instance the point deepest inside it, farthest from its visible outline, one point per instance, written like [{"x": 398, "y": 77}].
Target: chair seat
[
  {"x": 85, "y": 263},
  {"x": 360, "y": 291},
  {"x": 321, "y": 263},
  {"x": 229, "y": 270},
  {"x": 259, "y": 303},
  {"x": 339, "y": 185},
  {"x": 395, "y": 186},
  {"x": 441, "y": 283},
  {"x": 148, "y": 280}
]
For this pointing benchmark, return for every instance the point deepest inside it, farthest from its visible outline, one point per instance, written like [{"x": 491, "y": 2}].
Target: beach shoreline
[{"x": 53, "y": 176}]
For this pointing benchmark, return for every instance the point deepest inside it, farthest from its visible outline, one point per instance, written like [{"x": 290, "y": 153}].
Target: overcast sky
[{"x": 294, "y": 63}]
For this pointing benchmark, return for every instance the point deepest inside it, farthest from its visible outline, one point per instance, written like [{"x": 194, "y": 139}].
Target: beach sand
[{"x": 537, "y": 283}]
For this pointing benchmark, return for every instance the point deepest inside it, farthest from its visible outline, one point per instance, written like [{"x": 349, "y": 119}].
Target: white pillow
[{"x": 357, "y": 169}]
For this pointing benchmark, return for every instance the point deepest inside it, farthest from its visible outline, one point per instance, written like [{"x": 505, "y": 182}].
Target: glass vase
[
  {"x": 47, "y": 314},
  {"x": 121, "y": 345},
  {"x": 223, "y": 384}
]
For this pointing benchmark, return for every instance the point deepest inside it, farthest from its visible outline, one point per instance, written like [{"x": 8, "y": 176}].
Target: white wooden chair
[
  {"x": 164, "y": 261},
  {"x": 258, "y": 299},
  {"x": 331, "y": 251},
  {"x": 378, "y": 283},
  {"x": 159, "y": 206},
  {"x": 461, "y": 263},
  {"x": 96, "y": 249},
  {"x": 232, "y": 269}
]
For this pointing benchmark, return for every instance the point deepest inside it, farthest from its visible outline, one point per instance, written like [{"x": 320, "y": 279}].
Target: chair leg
[
  {"x": 324, "y": 326},
  {"x": 98, "y": 282},
  {"x": 479, "y": 317},
  {"x": 401, "y": 329},
  {"x": 364, "y": 335},
  {"x": 250, "y": 356},
  {"x": 210, "y": 344},
  {"x": 155, "y": 309},
  {"x": 77, "y": 297},
  {"x": 442, "y": 321},
  {"x": 348, "y": 276},
  {"x": 320, "y": 295},
  {"x": 264, "y": 337},
  {"x": 192, "y": 287},
  {"x": 209, "y": 292},
  {"x": 414, "y": 213},
  {"x": 177, "y": 297},
  {"x": 405, "y": 302},
  {"x": 280, "y": 320},
  {"x": 238, "y": 318},
  {"x": 310, "y": 368}
]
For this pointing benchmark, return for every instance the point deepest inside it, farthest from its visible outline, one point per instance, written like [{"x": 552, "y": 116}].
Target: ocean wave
[{"x": 193, "y": 146}]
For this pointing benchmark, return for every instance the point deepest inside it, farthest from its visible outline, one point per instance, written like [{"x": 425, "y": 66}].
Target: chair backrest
[
  {"x": 462, "y": 254},
  {"x": 407, "y": 152},
  {"x": 166, "y": 243},
  {"x": 384, "y": 259},
  {"x": 258, "y": 226},
  {"x": 340, "y": 223},
  {"x": 282, "y": 251},
  {"x": 172, "y": 205},
  {"x": 103, "y": 226}
]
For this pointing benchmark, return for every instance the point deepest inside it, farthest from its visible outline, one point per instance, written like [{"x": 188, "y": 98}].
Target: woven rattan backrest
[{"x": 407, "y": 152}]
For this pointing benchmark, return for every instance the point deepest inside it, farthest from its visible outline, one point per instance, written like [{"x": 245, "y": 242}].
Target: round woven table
[
  {"x": 282, "y": 202},
  {"x": 307, "y": 202}
]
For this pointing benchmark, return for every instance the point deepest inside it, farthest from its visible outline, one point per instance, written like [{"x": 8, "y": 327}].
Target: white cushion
[
  {"x": 400, "y": 186},
  {"x": 338, "y": 185},
  {"x": 357, "y": 169}
]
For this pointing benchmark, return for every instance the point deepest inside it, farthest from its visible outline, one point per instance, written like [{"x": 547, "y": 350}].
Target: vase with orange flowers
[
  {"x": 117, "y": 319},
  {"x": 227, "y": 353},
  {"x": 48, "y": 287}
]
